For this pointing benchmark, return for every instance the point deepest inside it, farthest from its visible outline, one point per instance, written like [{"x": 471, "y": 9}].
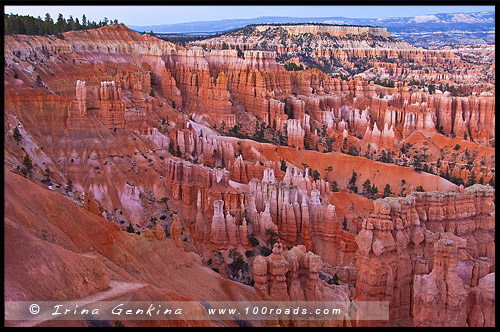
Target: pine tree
[
  {"x": 344, "y": 145},
  {"x": 49, "y": 24},
  {"x": 60, "y": 23},
  {"x": 130, "y": 228},
  {"x": 472, "y": 179},
  {"x": 328, "y": 170},
  {"x": 171, "y": 148},
  {"x": 27, "y": 163},
  {"x": 240, "y": 52},
  {"x": 367, "y": 186},
  {"x": 352, "y": 182},
  {"x": 71, "y": 22},
  {"x": 283, "y": 165},
  {"x": 387, "y": 190},
  {"x": 17, "y": 135}
]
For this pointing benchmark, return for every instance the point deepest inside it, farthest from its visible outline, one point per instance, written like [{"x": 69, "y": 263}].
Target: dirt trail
[{"x": 116, "y": 289}]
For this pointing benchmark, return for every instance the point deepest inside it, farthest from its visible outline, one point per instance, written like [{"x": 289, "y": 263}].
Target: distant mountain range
[{"x": 422, "y": 30}]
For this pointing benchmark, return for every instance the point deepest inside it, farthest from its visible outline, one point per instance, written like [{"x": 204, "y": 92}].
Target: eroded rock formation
[{"x": 402, "y": 240}]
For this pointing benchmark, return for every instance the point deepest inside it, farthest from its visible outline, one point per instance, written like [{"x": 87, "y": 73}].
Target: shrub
[
  {"x": 315, "y": 175},
  {"x": 293, "y": 67},
  {"x": 272, "y": 236},
  {"x": 171, "y": 148},
  {"x": 334, "y": 280},
  {"x": 344, "y": 224},
  {"x": 265, "y": 251},
  {"x": 69, "y": 186},
  {"x": 253, "y": 241},
  {"x": 237, "y": 263}
]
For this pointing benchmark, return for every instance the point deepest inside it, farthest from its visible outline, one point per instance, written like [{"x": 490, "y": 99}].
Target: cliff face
[
  {"x": 332, "y": 30},
  {"x": 328, "y": 44},
  {"x": 426, "y": 243}
]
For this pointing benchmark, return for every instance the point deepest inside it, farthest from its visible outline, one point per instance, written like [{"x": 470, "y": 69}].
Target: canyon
[{"x": 169, "y": 167}]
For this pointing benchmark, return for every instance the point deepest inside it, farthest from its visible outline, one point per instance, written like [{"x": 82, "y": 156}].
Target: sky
[{"x": 156, "y": 15}]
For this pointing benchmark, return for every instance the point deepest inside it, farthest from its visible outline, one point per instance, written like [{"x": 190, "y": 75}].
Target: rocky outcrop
[
  {"x": 439, "y": 298},
  {"x": 224, "y": 231},
  {"x": 218, "y": 234},
  {"x": 175, "y": 231},
  {"x": 481, "y": 303},
  {"x": 296, "y": 210},
  {"x": 399, "y": 241},
  {"x": 279, "y": 275},
  {"x": 295, "y": 133},
  {"x": 293, "y": 275}
]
